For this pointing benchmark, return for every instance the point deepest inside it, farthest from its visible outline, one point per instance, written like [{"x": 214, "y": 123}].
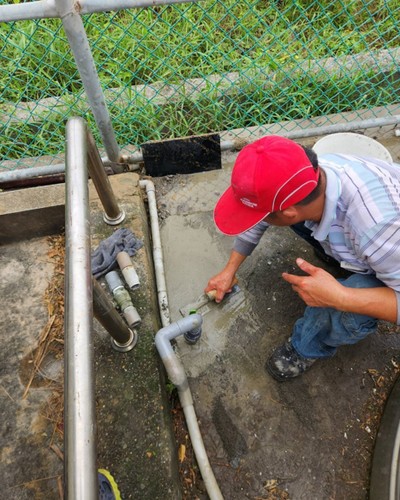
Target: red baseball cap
[{"x": 270, "y": 174}]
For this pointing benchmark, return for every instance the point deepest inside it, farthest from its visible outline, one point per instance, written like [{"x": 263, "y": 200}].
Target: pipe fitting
[
  {"x": 128, "y": 271},
  {"x": 114, "y": 221},
  {"x": 123, "y": 299},
  {"x": 193, "y": 336},
  {"x": 175, "y": 370},
  {"x": 127, "y": 346},
  {"x": 170, "y": 332}
]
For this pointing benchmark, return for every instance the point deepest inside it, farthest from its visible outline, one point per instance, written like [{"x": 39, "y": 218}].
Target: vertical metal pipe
[
  {"x": 79, "y": 441},
  {"x": 124, "y": 338},
  {"x": 68, "y": 10},
  {"x": 113, "y": 214}
]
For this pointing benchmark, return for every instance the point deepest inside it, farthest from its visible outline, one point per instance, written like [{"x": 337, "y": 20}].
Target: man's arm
[
  {"x": 379, "y": 303},
  {"x": 320, "y": 289},
  {"x": 243, "y": 246},
  {"x": 222, "y": 282}
]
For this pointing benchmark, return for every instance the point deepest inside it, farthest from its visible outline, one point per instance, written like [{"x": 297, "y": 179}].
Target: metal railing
[
  {"x": 79, "y": 408},
  {"x": 80, "y": 473}
]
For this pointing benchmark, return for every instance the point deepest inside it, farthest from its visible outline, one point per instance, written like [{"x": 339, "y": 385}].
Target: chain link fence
[{"x": 188, "y": 69}]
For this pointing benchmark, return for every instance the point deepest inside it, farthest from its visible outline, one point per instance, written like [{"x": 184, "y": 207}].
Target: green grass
[
  {"x": 174, "y": 43},
  {"x": 248, "y": 106}
]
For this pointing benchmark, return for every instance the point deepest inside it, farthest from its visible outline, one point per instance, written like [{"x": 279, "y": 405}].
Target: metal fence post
[{"x": 80, "y": 47}]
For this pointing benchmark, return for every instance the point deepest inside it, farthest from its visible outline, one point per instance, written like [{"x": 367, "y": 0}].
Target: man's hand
[
  {"x": 224, "y": 280},
  {"x": 319, "y": 288},
  {"x": 222, "y": 283}
]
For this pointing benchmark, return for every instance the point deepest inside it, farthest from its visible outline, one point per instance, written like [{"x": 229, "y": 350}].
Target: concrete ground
[
  {"x": 28, "y": 465},
  {"x": 135, "y": 442},
  {"x": 310, "y": 438}
]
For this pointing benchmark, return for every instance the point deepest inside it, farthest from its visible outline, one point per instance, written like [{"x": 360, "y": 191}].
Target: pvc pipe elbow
[{"x": 180, "y": 327}]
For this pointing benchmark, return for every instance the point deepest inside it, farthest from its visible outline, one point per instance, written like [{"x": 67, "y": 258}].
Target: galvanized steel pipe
[
  {"x": 42, "y": 9},
  {"x": 101, "y": 5},
  {"x": 123, "y": 339},
  {"x": 30, "y": 173},
  {"x": 227, "y": 145},
  {"x": 79, "y": 441},
  {"x": 28, "y": 10},
  {"x": 75, "y": 31},
  {"x": 113, "y": 214}
]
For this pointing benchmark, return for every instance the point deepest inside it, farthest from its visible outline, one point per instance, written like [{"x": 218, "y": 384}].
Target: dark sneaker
[{"x": 285, "y": 363}]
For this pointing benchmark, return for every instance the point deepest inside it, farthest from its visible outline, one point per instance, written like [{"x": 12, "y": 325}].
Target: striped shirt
[{"x": 360, "y": 225}]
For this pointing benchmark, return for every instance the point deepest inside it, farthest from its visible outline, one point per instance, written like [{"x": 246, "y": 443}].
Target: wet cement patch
[{"x": 308, "y": 435}]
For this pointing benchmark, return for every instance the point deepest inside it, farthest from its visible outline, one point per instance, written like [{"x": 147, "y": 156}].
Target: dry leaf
[
  {"x": 270, "y": 484},
  {"x": 182, "y": 453}
]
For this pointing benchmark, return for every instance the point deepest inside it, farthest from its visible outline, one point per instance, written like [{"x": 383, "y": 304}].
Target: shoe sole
[{"x": 275, "y": 376}]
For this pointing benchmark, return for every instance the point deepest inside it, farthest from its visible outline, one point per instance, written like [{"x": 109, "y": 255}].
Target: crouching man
[{"x": 348, "y": 208}]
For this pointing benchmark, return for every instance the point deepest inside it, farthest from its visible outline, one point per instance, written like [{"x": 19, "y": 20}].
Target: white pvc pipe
[
  {"x": 177, "y": 375},
  {"x": 173, "y": 366},
  {"x": 157, "y": 252},
  {"x": 201, "y": 455}
]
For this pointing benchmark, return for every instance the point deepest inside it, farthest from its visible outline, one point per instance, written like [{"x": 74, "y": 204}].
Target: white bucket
[{"x": 352, "y": 144}]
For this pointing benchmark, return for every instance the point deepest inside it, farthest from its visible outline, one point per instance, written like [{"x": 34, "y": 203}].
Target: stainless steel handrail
[
  {"x": 113, "y": 214},
  {"x": 80, "y": 471}
]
